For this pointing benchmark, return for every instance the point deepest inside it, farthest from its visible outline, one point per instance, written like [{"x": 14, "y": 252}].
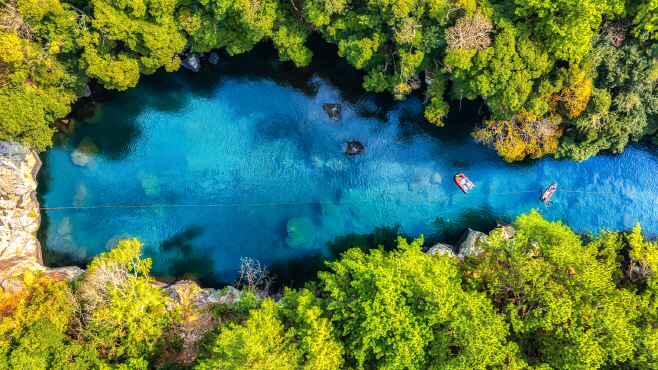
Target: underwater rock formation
[
  {"x": 301, "y": 232},
  {"x": 333, "y": 111},
  {"x": 214, "y": 58},
  {"x": 354, "y": 147}
]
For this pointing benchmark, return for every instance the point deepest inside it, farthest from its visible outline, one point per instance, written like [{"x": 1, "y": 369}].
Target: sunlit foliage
[{"x": 525, "y": 134}]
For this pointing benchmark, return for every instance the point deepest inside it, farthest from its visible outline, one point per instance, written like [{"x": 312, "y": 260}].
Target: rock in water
[
  {"x": 468, "y": 243},
  {"x": 354, "y": 147},
  {"x": 192, "y": 62},
  {"x": 333, "y": 110},
  {"x": 301, "y": 232},
  {"x": 80, "y": 196},
  {"x": 87, "y": 91},
  {"x": 64, "y": 228},
  {"x": 214, "y": 58},
  {"x": 79, "y": 158},
  {"x": 441, "y": 249}
]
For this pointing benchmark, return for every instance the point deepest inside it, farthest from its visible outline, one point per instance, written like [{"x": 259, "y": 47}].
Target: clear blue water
[{"x": 207, "y": 168}]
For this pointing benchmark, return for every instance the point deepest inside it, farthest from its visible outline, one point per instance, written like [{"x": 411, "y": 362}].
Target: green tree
[
  {"x": 559, "y": 296},
  {"x": 122, "y": 313},
  {"x": 565, "y": 27},
  {"x": 263, "y": 341},
  {"x": 406, "y": 310}
]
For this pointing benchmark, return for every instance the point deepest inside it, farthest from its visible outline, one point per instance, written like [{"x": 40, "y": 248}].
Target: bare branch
[{"x": 470, "y": 33}]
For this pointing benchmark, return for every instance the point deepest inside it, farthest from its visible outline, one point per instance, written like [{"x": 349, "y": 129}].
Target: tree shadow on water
[
  {"x": 296, "y": 272},
  {"x": 185, "y": 261}
]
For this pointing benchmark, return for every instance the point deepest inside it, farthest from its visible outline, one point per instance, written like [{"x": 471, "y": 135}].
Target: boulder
[
  {"x": 214, "y": 58},
  {"x": 354, "y": 147},
  {"x": 506, "y": 231},
  {"x": 11, "y": 286},
  {"x": 333, "y": 110},
  {"x": 183, "y": 292},
  {"x": 441, "y": 249},
  {"x": 468, "y": 243},
  {"x": 192, "y": 62},
  {"x": 16, "y": 266},
  {"x": 187, "y": 292},
  {"x": 69, "y": 272},
  {"x": 87, "y": 91},
  {"x": 301, "y": 232}
]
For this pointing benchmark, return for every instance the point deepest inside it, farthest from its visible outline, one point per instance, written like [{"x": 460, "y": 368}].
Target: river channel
[{"x": 240, "y": 160}]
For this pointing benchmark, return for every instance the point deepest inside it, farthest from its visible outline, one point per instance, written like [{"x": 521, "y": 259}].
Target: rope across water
[{"x": 327, "y": 202}]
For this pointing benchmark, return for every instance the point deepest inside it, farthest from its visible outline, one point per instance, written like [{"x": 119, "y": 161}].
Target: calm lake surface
[{"x": 240, "y": 160}]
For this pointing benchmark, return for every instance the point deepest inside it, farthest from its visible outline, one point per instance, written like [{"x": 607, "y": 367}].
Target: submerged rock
[
  {"x": 468, "y": 243},
  {"x": 333, "y": 110},
  {"x": 354, "y": 147},
  {"x": 80, "y": 196},
  {"x": 192, "y": 62},
  {"x": 441, "y": 249},
  {"x": 80, "y": 158},
  {"x": 150, "y": 184},
  {"x": 214, "y": 58},
  {"x": 301, "y": 232},
  {"x": 64, "y": 228},
  {"x": 84, "y": 152}
]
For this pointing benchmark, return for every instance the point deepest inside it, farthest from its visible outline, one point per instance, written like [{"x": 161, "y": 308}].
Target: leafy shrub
[{"x": 121, "y": 311}]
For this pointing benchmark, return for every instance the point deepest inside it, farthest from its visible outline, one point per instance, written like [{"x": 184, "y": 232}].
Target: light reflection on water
[{"x": 234, "y": 157}]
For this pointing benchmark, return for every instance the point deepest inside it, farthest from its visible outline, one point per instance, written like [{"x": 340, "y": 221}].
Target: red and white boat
[{"x": 463, "y": 182}]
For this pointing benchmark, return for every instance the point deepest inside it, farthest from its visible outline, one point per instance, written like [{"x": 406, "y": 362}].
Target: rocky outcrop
[
  {"x": 506, "y": 231},
  {"x": 19, "y": 209},
  {"x": 192, "y": 62},
  {"x": 468, "y": 243},
  {"x": 186, "y": 292},
  {"x": 354, "y": 147},
  {"x": 441, "y": 249},
  {"x": 13, "y": 270},
  {"x": 214, "y": 58},
  {"x": 333, "y": 111}
]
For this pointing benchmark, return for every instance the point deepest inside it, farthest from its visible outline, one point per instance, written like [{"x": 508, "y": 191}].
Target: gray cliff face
[{"x": 19, "y": 209}]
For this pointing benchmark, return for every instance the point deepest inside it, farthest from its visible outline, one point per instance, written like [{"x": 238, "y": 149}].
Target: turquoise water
[{"x": 241, "y": 161}]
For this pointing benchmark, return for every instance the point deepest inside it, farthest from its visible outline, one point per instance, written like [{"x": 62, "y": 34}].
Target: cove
[{"x": 240, "y": 160}]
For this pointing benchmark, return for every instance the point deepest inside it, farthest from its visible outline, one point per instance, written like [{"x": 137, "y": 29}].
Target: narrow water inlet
[{"x": 207, "y": 168}]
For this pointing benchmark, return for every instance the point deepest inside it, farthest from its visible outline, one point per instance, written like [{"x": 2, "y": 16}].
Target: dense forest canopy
[
  {"x": 569, "y": 77},
  {"x": 540, "y": 297}
]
